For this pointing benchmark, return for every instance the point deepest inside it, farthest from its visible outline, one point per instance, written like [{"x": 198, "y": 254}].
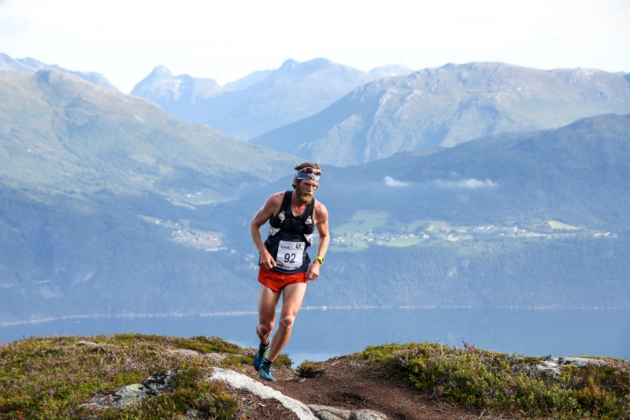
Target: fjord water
[{"x": 320, "y": 334}]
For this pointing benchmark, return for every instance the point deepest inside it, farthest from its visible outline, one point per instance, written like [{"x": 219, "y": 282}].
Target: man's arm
[
  {"x": 321, "y": 219},
  {"x": 268, "y": 210}
]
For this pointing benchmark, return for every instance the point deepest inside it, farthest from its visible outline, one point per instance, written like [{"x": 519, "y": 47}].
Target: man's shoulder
[
  {"x": 320, "y": 208},
  {"x": 275, "y": 199}
]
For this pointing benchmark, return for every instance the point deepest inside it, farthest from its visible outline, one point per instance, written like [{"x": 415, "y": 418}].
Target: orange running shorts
[{"x": 276, "y": 281}]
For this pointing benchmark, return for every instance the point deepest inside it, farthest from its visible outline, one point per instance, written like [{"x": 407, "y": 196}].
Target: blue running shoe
[
  {"x": 265, "y": 371},
  {"x": 261, "y": 355}
]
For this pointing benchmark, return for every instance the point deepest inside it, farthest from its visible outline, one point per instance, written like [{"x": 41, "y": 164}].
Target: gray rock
[
  {"x": 331, "y": 413},
  {"x": 160, "y": 382},
  {"x": 553, "y": 364},
  {"x": 577, "y": 361},
  {"x": 121, "y": 397},
  {"x": 153, "y": 385},
  {"x": 184, "y": 352}
]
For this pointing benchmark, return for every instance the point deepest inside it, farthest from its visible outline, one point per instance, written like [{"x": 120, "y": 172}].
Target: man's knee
[
  {"x": 286, "y": 321},
  {"x": 264, "y": 328}
]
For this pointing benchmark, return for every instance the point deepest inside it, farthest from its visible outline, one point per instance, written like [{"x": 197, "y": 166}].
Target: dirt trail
[{"x": 346, "y": 384}]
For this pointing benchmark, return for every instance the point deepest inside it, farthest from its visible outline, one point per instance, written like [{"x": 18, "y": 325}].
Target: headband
[{"x": 309, "y": 173}]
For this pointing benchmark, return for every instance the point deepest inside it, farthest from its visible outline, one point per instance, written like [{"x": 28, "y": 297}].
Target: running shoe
[
  {"x": 265, "y": 372},
  {"x": 261, "y": 355}
]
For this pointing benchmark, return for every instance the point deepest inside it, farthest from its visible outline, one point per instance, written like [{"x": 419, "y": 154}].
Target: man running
[{"x": 285, "y": 266}]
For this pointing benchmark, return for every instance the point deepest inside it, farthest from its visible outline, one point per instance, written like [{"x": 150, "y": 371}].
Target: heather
[
  {"x": 60, "y": 377},
  {"x": 508, "y": 383},
  {"x": 50, "y": 377}
]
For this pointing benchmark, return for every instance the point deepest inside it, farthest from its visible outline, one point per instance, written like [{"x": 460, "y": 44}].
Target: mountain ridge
[
  {"x": 444, "y": 106},
  {"x": 70, "y": 126},
  {"x": 31, "y": 65},
  {"x": 268, "y": 99}
]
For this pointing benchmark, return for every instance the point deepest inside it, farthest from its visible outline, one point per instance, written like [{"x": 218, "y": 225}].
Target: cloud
[
  {"x": 391, "y": 182},
  {"x": 470, "y": 183},
  {"x": 11, "y": 25}
]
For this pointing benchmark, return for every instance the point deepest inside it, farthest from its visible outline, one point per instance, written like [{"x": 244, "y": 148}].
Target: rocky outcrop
[
  {"x": 553, "y": 364},
  {"x": 153, "y": 385},
  {"x": 330, "y": 413},
  {"x": 163, "y": 382},
  {"x": 241, "y": 381},
  {"x": 314, "y": 412}
]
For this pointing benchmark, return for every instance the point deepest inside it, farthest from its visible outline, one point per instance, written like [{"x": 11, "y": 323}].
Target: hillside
[
  {"x": 577, "y": 173},
  {"x": 258, "y": 103},
  {"x": 445, "y": 106},
  {"x": 111, "y": 206},
  {"x": 61, "y": 133},
  {"x": 137, "y": 376},
  {"x": 83, "y": 172},
  {"x": 536, "y": 219}
]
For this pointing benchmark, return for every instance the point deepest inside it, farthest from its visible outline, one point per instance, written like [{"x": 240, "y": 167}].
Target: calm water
[{"x": 321, "y": 334}]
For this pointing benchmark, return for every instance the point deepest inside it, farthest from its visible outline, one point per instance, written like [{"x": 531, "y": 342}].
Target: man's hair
[{"x": 301, "y": 166}]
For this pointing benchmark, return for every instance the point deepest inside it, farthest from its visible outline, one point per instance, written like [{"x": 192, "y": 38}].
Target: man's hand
[
  {"x": 313, "y": 271},
  {"x": 266, "y": 260}
]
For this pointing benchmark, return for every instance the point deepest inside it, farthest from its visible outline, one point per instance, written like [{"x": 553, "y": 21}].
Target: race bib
[{"x": 290, "y": 255}]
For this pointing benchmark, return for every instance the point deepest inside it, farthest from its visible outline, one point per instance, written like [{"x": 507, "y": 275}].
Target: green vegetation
[
  {"x": 310, "y": 369},
  {"x": 499, "y": 382},
  {"x": 62, "y": 134},
  {"x": 58, "y": 378},
  {"x": 49, "y": 378},
  {"x": 367, "y": 228},
  {"x": 491, "y": 271}
]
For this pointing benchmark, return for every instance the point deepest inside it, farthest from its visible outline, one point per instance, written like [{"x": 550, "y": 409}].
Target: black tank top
[{"x": 290, "y": 236}]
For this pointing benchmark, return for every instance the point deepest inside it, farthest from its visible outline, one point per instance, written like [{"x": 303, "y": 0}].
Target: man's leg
[
  {"x": 267, "y": 302},
  {"x": 292, "y": 296}
]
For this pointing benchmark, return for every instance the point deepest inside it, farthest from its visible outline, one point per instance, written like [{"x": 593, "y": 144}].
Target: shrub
[
  {"x": 508, "y": 382},
  {"x": 309, "y": 369}
]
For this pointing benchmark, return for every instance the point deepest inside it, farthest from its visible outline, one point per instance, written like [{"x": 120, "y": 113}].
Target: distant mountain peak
[
  {"x": 391, "y": 70},
  {"x": 162, "y": 84},
  {"x": 447, "y": 105},
  {"x": 31, "y": 65},
  {"x": 161, "y": 71},
  {"x": 289, "y": 64}
]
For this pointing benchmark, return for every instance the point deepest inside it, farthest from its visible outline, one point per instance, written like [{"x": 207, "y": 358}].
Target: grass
[
  {"x": 310, "y": 369},
  {"x": 362, "y": 222},
  {"x": 49, "y": 378},
  {"x": 508, "y": 383}
]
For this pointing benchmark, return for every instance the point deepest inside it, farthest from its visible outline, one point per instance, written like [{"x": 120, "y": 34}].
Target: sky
[{"x": 226, "y": 40}]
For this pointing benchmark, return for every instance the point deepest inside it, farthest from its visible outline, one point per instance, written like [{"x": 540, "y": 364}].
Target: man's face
[{"x": 306, "y": 190}]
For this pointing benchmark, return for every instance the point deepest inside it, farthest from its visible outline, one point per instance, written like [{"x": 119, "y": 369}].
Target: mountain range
[
  {"x": 257, "y": 103},
  {"x": 445, "y": 106},
  {"x": 31, "y": 65},
  {"x": 83, "y": 171},
  {"x": 60, "y": 132},
  {"x": 107, "y": 201}
]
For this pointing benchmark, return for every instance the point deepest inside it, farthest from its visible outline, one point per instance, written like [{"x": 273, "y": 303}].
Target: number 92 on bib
[{"x": 290, "y": 255}]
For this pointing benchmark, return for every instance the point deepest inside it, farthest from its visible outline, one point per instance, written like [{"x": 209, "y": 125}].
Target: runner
[{"x": 285, "y": 266}]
